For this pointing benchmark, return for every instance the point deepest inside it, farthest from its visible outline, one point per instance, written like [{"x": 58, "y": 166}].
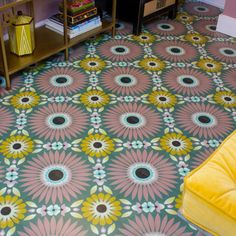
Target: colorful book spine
[
  {"x": 59, "y": 18},
  {"x": 82, "y": 16},
  {"x": 78, "y": 3},
  {"x": 77, "y": 10}
]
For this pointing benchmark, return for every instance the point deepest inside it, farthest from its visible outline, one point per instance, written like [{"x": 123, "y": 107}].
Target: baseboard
[
  {"x": 226, "y": 25},
  {"x": 38, "y": 24},
  {"x": 220, "y": 4}
]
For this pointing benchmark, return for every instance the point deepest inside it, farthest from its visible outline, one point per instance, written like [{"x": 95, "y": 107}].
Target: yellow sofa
[{"x": 209, "y": 197}]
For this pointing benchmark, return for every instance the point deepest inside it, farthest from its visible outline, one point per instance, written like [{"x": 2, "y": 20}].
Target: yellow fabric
[{"x": 209, "y": 198}]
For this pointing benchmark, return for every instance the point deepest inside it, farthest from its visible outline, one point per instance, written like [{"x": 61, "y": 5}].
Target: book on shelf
[
  {"x": 77, "y": 10},
  {"x": 58, "y": 19},
  {"x": 75, "y": 30},
  {"x": 78, "y": 3},
  {"x": 81, "y": 16}
]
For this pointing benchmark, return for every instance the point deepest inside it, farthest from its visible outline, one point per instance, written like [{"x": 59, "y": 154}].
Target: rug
[{"x": 100, "y": 145}]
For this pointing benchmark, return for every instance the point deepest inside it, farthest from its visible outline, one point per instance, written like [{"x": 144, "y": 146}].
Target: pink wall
[
  {"x": 230, "y": 8},
  {"x": 45, "y": 8}
]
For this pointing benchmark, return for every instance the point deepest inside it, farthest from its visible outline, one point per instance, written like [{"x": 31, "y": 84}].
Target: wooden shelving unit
[{"x": 47, "y": 42}]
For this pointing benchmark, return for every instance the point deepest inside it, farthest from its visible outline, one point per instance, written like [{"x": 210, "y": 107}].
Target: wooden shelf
[
  {"x": 13, "y": 4},
  {"x": 47, "y": 43},
  {"x": 106, "y": 25}
]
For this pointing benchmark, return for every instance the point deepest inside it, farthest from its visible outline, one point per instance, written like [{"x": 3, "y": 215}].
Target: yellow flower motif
[
  {"x": 176, "y": 144},
  {"x": 162, "y": 99},
  {"x": 102, "y": 209},
  {"x": 196, "y": 38},
  {"x": 16, "y": 146},
  {"x": 12, "y": 210},
  {"x": 226, "y": 98},
  {"x": 25, "y": 100},
  {"x": 184, "y": 17},
  {"x": 97, "y": 145},
  {"x": 92, "y": 64},
  {"x": 94, "y": 99},
  {"x": 178, "y": 201},
  {"x": 209, "y": 65},
  {"x": 144, "y": 38},
  {"x": 152, "y": 64}
]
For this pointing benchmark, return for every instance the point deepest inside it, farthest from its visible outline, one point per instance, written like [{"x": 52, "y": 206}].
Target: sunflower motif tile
[{"x": 99, "y": 145}]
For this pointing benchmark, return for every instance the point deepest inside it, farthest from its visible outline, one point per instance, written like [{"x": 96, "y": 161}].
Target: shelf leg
[
  {"x": 66, "y": 54},
  {"x": 114, "y": 3},
  {"x": 4, "y": 57},
  {"x": 8, "y": 82}
]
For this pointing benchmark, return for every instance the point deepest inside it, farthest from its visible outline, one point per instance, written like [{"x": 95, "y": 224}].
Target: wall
[
  {"x": 45, "y": 8},
  {"x": 217, "y": 3},
  {"x": 230, "y": 8},
  {"x": 227, "y": 20}
]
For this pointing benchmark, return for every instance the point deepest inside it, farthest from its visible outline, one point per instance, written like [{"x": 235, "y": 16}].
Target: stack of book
[{"x": 82, "y": 16}]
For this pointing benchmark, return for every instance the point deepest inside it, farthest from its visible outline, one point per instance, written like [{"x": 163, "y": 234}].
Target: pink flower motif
[
  {"x": 230, "y": 79},
  {"x": 47, "y": 146},
  {"x": 52, "y": 226},
  {"x": 7, "y": 120},
  {"x": 149, "y": 225},
  {"x": 42, "y": 210},
  {"x": 10, "y": 183},
  {"x": 16, "y": 82},
  {"x": 137, "y": 207},
  {"x": 55, "y": 176},
  {"x": 166, "y": 27},
  {"x": 61, "y": 81},
  {"x": 159, "y": 206},
  {"x": 66, "y": 145},
  {"x": 132, "y": 121},
  {"x": 58, "y": 121},
  {"x": 124, "y": 28},
  {"x": 201, "y": 9},
  {"x": 208, "y": 27},
  {"x": 126, "y": 81},
  {"x": 199, "y": 158},
  {"x": 187, "y": 81},
  {"x": 64, "y": 209},
  {"x": 78, "y": 51},
  {"x": 99, "y": 182},
  {"x": 120, "y": 50},
  {"x": 206, "y": 121},
  {"x": 142, "y": 175},
  {"x": 175, "y": 51},
  {"x": 98, "y": 166},
  {"x": 223, "y": 51}
]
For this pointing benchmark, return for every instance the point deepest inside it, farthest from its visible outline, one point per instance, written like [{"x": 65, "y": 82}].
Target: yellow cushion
[{"x": 209, "y": 197}]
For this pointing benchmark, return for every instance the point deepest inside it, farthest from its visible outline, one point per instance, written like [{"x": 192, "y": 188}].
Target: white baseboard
[
  {"x": 216, "y": 3},
  {"x": 226, "y": 25},
  {"x": 38, "y": 24}
]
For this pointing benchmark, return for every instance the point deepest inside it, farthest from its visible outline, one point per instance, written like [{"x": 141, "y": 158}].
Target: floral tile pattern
[{"x": 100, "y": 145}]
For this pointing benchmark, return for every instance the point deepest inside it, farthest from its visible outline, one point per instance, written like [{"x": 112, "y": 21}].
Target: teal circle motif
[
  {"x": 188, "y": 81},
  {"x": 204, "y": 119},
  {"x": 133, "y": 120},
  {"x": 126, "y": 80},
  {"x": 228, "y": 52},
  {"x": 142, "y": 173},
  {"x": 120, "y": 50},
  {"x": 175, "y": 50},
  {"x": 62, "y": 80},
  {"x": 55, "y": 175},
  {"x": 58, "y": 121}
]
